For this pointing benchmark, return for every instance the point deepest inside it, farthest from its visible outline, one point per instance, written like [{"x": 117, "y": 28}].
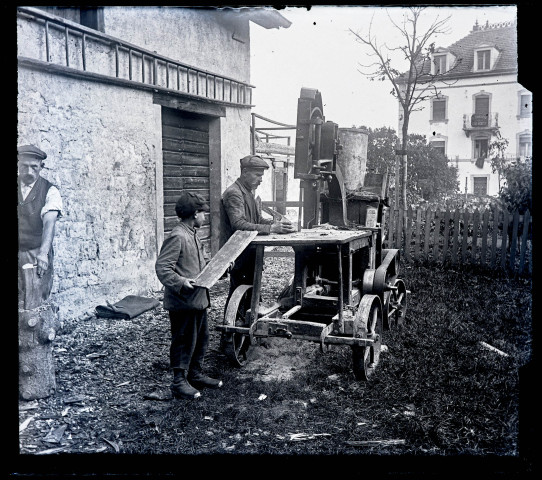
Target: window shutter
[
  {"x": 439, "y": 109},
  {"x": 439, "y": 145}
]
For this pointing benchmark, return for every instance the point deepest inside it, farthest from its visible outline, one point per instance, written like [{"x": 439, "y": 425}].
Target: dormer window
[
  {"x": 441, "y": 62},
  {"x": 485, "y": 57}
]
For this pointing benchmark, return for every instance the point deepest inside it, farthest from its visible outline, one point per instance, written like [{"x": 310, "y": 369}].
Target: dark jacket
[
  {"x": 29, "y": 214},
  {"x": 181, "y": 257},
  {"x": 242, "y": 210}
]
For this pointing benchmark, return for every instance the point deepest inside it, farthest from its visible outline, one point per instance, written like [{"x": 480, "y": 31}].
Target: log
[
  {"x": 37, "y": 330},
  {"x": 38, "y": 324},
  {"x": 274, "y": 148}
]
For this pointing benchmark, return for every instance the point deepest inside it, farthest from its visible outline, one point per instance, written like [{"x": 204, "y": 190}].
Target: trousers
[
  {"x": 189, "y": 339},
  {"x": 33, "y": 290}
]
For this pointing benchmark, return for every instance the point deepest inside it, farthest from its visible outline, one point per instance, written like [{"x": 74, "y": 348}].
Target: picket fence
[{"x": 493, "y": 238}]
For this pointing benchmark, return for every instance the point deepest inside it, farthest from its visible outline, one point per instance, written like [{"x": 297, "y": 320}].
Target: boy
[{"x": 179, "y": 262}]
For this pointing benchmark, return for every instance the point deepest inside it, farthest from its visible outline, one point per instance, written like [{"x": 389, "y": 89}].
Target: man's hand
[
  {"x": 282, "y": 226},
  {"x": 43, "y": 263},
  {"x": 188, "y": 283}
]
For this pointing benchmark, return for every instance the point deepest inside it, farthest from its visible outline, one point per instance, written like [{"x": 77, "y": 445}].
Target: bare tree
[{"x": 416, "y": 84}]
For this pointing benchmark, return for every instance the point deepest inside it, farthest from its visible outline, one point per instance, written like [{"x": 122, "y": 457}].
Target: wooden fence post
[
  {"x": 455, "y": 241},
  {"x": 475, "y": 226},
  {"x": 485, "y": 222},
  {"x": 427, "y": 230},
  {"x": 466, "y": 221},
  {"x": 524, "y": 237},
  {"x": 514, "y": 241},
  {"x": 505, "y": 222},
  {"x": 446, "y": 234},
  {"x": 496, "y": 219},
  {"x": 436, "y": 236}
]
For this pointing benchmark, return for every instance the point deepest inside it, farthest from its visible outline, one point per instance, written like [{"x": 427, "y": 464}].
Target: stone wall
[
  {"x": 102, "y": 144},
  {"x": 105, "y": 152}
]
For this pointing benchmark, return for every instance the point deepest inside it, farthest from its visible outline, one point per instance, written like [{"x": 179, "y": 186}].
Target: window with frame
[
  {"x": 481, "y": 147},
  {"x": 525, "y": 107},
  {"x": 439, "y": 145},
  {"x": 483, "y": 59},
  {"x": 525, "y": 146},
  {"x": 479, "y": 185},
  {"x": 438, "y": 109},
  {"x": 440, "y": 64}
]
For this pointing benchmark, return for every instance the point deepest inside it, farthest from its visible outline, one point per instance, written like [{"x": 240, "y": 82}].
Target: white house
[{"x": 477, "y": 101}]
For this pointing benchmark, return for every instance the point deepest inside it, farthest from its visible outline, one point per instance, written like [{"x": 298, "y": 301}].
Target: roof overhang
[{"x": 265, "y": 17}]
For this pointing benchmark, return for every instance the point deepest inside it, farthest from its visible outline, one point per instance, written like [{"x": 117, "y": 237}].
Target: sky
[{"x": 319, "y": 51}]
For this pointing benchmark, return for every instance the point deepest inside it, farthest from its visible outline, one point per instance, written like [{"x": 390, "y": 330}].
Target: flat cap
[
  {"x": 31, "y": 151},
  {"x": 189, "y": 203},
  {"x": 253, "y": 161}
]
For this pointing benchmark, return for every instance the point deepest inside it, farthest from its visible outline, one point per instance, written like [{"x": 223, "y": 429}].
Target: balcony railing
[
  {"x": 473, "y": 122},
  {"x": 72, "y": 49}
]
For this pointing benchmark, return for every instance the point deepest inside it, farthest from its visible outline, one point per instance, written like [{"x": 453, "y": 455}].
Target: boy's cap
[
  {"x": 31, "y": 151},
  {"x": 189, "y": 203},
  {"x": 253, "y": 161}
]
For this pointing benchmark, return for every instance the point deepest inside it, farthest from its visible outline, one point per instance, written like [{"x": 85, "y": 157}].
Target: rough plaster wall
[
  {"x": 188, "y": 35},
  {"x": 102, "y": 146},
  {"x": 235, "y": 130}
]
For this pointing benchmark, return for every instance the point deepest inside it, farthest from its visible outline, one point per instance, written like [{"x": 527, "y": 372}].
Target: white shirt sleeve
[{"x": 53, "y": 201}]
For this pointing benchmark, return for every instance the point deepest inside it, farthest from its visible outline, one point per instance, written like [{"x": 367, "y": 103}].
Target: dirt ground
[
  {"x": 113, "y": 380},
  {"x": 107, "y": 368}
]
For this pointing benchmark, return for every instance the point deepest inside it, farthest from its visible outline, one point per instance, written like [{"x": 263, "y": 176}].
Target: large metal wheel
[
  {"x": 387, "y": 324},
  {"x": 367, "y": 324},
  {"x": 235, "y": 345},
  {"x": 397, "y": 305}
]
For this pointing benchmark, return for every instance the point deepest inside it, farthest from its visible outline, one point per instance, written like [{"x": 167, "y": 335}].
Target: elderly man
[
  {"x": 243, "y": 212},
  {"x": 39, "y": 207}
]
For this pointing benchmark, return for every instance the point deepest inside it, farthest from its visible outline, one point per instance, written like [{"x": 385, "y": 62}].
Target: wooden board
[{"x": 235, "y": 245}]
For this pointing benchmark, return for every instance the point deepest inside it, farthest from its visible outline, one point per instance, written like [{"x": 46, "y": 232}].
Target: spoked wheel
[
  {"x": 387, "y": 324},
  {"x": 398, "y": 305},
  {"x": 235, "y": 345},
  {"x": 367, "y": 324}
]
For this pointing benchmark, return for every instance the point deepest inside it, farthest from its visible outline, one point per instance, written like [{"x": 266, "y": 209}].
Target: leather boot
[
  {"x": 180, "y": 388},
  {"x": 200, "y": 380}
]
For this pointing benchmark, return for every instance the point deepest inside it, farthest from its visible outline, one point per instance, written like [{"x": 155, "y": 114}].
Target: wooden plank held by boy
[{"x": 220, "y": 263}]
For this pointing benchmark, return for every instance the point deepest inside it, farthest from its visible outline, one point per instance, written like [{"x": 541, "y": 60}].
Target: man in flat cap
[
  {"x": 179, "y": 262},
  {"x": 39, "y": 207},
  {"x": 243, "y": 212}
]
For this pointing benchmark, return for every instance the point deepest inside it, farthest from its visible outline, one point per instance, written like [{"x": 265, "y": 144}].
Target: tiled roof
[{"x": 502, "y": 36}]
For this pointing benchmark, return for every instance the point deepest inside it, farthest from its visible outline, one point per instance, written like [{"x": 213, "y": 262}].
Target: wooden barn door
[{"x": 185, "y": 149}]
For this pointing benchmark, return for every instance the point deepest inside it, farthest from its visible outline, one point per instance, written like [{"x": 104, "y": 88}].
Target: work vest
[{"x": 29, "y": 212}]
